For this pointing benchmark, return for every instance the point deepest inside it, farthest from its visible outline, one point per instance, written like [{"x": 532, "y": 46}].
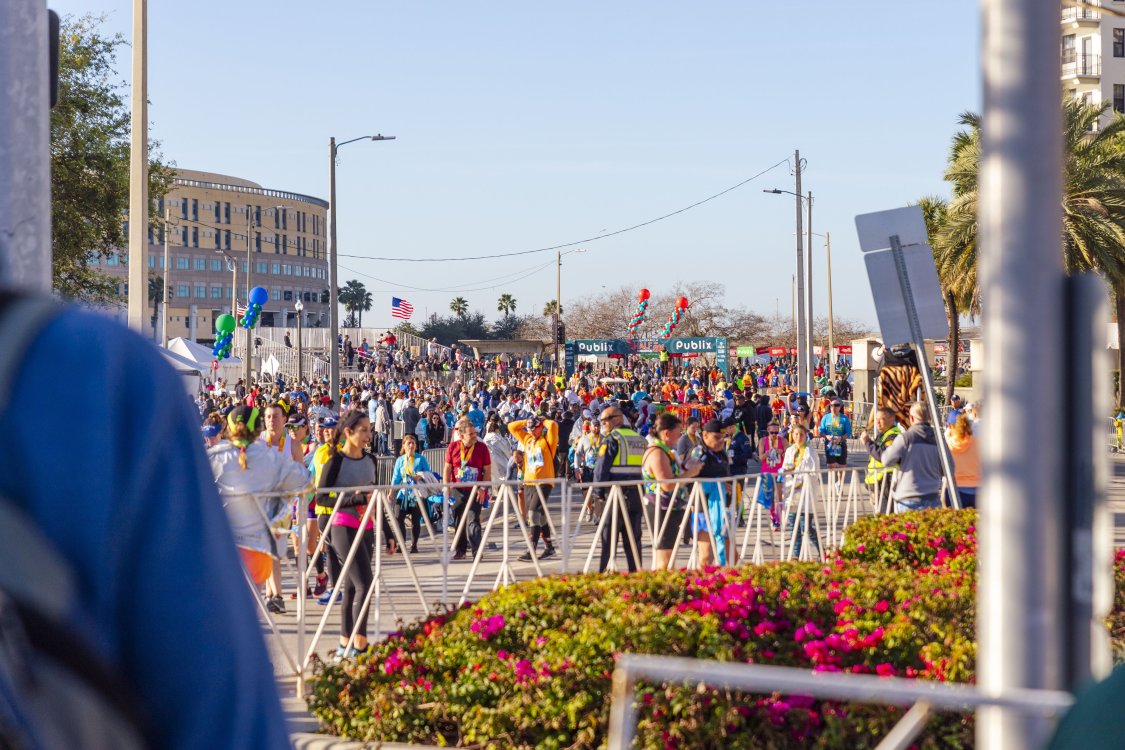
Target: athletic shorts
[{"x": 839, "y": 460}]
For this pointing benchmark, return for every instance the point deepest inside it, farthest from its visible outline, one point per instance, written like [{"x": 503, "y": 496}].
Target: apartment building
[
  {"x": 221, "y": 230},
  {"x": 1093, "y": 52}
]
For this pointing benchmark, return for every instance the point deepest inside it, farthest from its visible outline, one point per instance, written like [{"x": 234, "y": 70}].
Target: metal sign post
[{"x": 908, "y": 301}]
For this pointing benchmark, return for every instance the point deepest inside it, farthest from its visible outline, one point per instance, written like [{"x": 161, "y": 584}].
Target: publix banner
[
  {"x": 619, "y": 348},
  {"x": 716, "y": 346}
]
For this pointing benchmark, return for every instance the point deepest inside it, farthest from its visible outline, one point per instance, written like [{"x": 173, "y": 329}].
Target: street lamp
[
  {"x": 249, "y": 275},
  {"x": 299, "y": 307},
  {"x": 333, "y": 289},
  {"x": 805, "y": 320}
]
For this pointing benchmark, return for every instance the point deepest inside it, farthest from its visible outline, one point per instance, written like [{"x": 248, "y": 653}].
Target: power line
[
  {"x": 577, "y": 242},
  {"x": 488, "y": 283}
]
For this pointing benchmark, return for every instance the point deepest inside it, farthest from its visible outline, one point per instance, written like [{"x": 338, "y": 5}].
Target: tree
[
  {"x": 350, "y": 321},
  {"x": 353, "y": 296},
  {"x": 363, "y": 304},
  {"x": 156, "y": 296},
  {"x": 506, "y": 304},
  {"x": 549, "y": 308},
  {"x": 1093, "y": 202},
  {"x": 954, "y": 287},
  {"x": 90, "y": 162},
  {"x": 459, "y": 306}
]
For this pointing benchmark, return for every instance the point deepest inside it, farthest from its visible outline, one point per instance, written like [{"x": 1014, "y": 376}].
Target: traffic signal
[{"x": 560, "y": 333}]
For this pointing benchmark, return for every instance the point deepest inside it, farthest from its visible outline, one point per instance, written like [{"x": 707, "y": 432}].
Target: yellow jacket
[{"x": 538, "y": 454}]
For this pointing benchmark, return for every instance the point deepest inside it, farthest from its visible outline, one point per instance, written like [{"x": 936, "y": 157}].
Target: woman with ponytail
[
  {"x": 244, "y": 466},
  {"x": 349, "y": 465}
]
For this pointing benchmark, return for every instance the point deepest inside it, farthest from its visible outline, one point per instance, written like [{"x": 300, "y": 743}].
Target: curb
[{"x": 309, "y": 741}]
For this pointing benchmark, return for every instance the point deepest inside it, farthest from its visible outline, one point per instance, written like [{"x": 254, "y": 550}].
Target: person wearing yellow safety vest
[
  {"x": 878, "y": 476},
  {"x": 619, "y": 458},
  {"x": 664, "y": 359}
]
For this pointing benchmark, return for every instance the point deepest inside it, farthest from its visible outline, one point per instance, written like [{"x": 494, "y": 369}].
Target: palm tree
[
  {"x": 353, "y": 296},
  {"x": 156, "y": 296},
  {"x": 1093, "y": 202},
  {"x": 506, "y": 304},
  {"x": 459, "y": 306},
  {"x": 363, "y": 304},
  {"x": 958, "y": 289},
  {"x": 549, "y": 308}
]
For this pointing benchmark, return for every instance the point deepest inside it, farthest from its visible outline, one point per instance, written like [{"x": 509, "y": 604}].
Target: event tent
[
  {"x": 191, "y": 371},
  {"x": 229, "y": 369}
]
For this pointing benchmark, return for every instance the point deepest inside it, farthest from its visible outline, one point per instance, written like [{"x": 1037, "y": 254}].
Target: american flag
[{"x": 400, "y": 308}]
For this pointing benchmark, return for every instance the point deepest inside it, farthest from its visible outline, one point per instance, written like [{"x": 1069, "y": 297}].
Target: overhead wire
[{"x": 601, "y": 236}]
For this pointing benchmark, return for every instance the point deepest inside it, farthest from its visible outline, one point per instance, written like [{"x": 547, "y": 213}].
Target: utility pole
[
  {"x": 1023, "y": 572},
  {"x": 167, "y": 270},
  {"x": 810, "y": 352},
  {"x": 802, "y": 332},
  {"x": 333, "y": 289},
  {"x": 831, "y": 342},
  {"x": 138, "y": 170},
  {"x": 558, "y": 305}
]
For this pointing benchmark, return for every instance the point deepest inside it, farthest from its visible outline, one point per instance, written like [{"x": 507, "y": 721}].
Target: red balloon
[
  {"x": 682, "y": 303},
  {"x": 642, "y": 295}
]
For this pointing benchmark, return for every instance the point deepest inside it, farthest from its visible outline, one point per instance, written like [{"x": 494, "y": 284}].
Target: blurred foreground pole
[
  {"x": 1021, "y": 529},
  {"x": 138, "y": 172},
  {"x": 25, "y": 179}
]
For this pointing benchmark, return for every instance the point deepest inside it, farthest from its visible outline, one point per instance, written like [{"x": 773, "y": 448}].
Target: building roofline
[{"x": 265, "y": 192}]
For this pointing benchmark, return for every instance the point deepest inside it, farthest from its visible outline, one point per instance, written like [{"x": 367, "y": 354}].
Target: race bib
[
  {"x": 535, "y": 459},
  {"x": 468, "y": 474}
]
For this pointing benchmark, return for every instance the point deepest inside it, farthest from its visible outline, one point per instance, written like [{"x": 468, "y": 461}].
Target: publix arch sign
[{"x": 620, "y": 348}]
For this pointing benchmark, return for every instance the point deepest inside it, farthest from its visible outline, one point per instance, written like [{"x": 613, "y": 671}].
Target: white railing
[
  {"x": 924, "y": 697},
  {"x": 802, "y": 523}
]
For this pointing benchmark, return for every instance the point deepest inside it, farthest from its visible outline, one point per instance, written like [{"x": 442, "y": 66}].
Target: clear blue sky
[{"x": 522, "y": 125}]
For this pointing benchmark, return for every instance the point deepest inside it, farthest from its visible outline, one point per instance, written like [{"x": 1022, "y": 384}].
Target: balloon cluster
[
  {"x": 258, "y": 297},
  {"x": 674, "y": 319},
  {"x": 224, "y": 327},
  {"x": 642, "y": 311}
]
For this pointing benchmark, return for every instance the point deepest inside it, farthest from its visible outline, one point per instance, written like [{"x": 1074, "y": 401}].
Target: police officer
[
  {"x": 619, "y": 457},
  {"x": 877, "y": 479}
]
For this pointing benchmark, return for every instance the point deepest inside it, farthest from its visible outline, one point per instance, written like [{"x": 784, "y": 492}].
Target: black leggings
[
  {"x": 359, "y": 576},
  {"x": 333, "y": 563},
  {"x": 415, "y": 514}
]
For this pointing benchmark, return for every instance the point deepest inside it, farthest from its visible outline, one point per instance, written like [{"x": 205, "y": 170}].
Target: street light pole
[
  {"x": 558, "y": 306},
  {"x": 167, "y": 270},
  {"x": 333, "y": 284},
  {"x": 300, "y": 371},
  {"x": 828, "y": 257},
  {"x": 138, "y": 169},
  {"x": 810, "y": 351}
]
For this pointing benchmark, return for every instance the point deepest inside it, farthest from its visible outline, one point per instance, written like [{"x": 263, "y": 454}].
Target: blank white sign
[
  {"x": 887, "y": 293},
  {"x": 875, "y": 230}
]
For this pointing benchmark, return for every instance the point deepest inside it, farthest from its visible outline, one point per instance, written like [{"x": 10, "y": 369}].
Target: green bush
[{"x": 530, "y": 665}]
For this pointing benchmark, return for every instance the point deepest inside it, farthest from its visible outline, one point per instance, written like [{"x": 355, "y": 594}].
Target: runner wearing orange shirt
[{"x": 539, "y": 440}]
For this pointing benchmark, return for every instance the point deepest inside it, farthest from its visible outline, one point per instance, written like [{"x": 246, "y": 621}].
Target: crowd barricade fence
[{"x": 758, "y": 518}]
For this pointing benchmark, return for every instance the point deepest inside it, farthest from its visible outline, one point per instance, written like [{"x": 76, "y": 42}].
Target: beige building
[
  {"x": 1093, "y": 52},
  {"x": 210, "y": 217}
]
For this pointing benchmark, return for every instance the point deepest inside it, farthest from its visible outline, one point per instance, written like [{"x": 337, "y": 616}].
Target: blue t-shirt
[
  {"x": 116, "y": 476},
  {"x": 476, "y": 416}
]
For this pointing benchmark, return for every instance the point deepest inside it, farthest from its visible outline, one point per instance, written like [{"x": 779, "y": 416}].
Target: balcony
[
  {"x": 1080, "y": 16},
  {"x": 1076, "y": 66}
]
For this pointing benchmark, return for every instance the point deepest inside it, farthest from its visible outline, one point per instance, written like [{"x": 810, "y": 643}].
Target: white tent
[
  {"x": 229, "y": 369},
  {"x": 192, "y": 372}
]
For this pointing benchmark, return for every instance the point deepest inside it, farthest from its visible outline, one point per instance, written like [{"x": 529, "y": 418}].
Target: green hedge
[{"x": 530, "y": 665}]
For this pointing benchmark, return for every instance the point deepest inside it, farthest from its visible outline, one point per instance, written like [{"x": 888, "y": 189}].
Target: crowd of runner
[{"x": 654, "y": 421}]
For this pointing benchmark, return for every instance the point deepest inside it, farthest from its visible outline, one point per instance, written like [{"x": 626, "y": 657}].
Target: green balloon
[{"x": 225, "y": 323}]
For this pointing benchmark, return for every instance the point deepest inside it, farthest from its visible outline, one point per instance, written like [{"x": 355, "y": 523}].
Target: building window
[
  {"x": 200, "y": 292},
  {"x": 284, "y": 218},
  {"x": 226, "y": 212},
  {"x": 276, "y": 219},
  {"x": 285, "y": 244},
  {"x": 185, "y": 242},
  {"x": 275, "y": 294},
  {"x": 226, "y": 292},
  {"x": 275, "y": 268},
  {"x": 245, "y": 265},
  {"x": 183, "y": 209},
  {"x": 218, "y": 213},
  {"x": 1118, "y": 97},
  {"x": 194, "y": 209},
  {"x": 217, "y": 238},
  {"x": 112, "y": 260},
  {"x": 1119, "y": 42},
  {"x": 182, "y": 291},
  {"x": 257, "y": 242},
  {"x": 200, "y": 264},
  {"x": 216, "y": 264},
  {"x": 152, "y": 261},
  {"x": 216, "y": 292},
  {"x": 183, "y": 264},
  {"x": 262, "y": 267},
  {"x": 287, "y": 269},
  {"x": 288, "y": 296},
  {"x": 257, "y": 216},
  {"x": 195, "y": 236}
]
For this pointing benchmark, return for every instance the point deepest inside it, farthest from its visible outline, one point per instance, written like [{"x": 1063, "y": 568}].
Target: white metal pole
[
  {"x": 167, "y": 270},
  {"x": 802, "y": 331},
  {"x": 1019, "y": 605},
  {"x": 333, "y": 288},
  {"x": 138, "y": 170},
  {"x": 810, "y": 350},
  {"x": 25, "y": 179}
]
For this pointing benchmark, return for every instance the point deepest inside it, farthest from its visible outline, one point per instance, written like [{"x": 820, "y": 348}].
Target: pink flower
[
  {"x": 885, "y": 670},
  {"x": 882, "y": 606},
  {"x": 861, "y": 548}
]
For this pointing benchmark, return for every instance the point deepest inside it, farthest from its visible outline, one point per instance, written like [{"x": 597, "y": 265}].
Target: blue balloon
[{"x": 259, "y": 296}]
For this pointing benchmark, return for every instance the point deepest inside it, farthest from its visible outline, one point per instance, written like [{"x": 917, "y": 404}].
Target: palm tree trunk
[
  {"x": 1119, "y": 304},
  {"x": 360, "y": 321},
  {"x": 953, "y": 356}
]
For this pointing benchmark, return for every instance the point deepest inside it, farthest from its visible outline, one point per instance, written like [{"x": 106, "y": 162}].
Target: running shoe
[
  {"x": 275, "y": 605},
  {"x": 525, "y": 557},
  {"x": 321, "y": 585},
  {"x": 326, "y": 597},
  {"x": 549, "y": 552}
]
